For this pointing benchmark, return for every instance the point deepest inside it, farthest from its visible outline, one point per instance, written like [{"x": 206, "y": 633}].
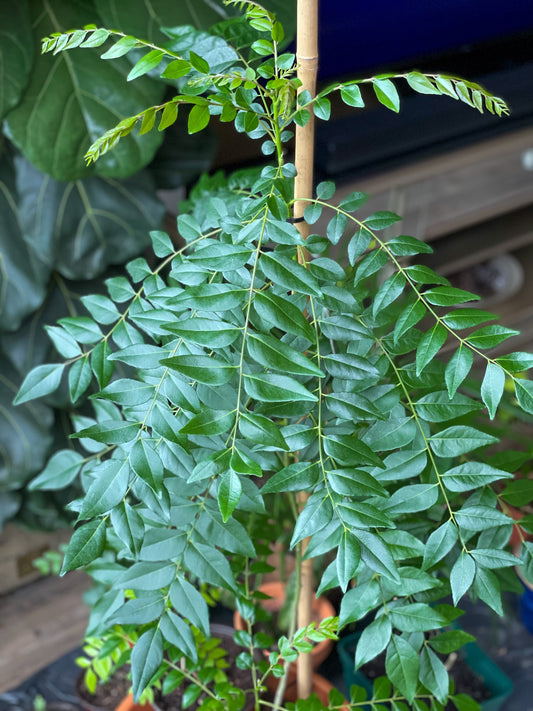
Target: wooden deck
[{"x": 39, "y": 623}]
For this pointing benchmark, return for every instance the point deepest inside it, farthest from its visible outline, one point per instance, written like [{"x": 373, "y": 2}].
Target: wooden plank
[
  {"x": 454, "y": 190},
  {"x": 474, "y": 245},
  {"x": 39, "y": 623},
  {"x": 18, "y": 548}
]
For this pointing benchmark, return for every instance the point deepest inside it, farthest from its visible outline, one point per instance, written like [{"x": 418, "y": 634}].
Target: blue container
[
  {"x": 496, "y": 681},
  {"x": 526, "y": 609}
]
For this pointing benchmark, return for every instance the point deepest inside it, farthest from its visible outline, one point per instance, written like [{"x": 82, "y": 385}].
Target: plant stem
[{"x": 307, "y": 59}]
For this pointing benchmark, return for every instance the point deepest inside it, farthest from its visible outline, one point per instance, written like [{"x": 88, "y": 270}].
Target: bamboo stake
[{"x": 307, "y": 59}]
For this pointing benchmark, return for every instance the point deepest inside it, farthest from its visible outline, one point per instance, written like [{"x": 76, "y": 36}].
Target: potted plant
[{"x": 256, "y": 368}]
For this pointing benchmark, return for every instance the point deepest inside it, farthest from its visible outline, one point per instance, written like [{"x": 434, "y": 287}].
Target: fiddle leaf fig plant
[{"x": 252, "y": 369}]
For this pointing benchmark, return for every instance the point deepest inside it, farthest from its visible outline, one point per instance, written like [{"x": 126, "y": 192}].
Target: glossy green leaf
[
  {"x": 315, "y": 516},
  {"x": 276, "y": 388},
  {"x": 429, "y": 346},
  {"x": 209, "y": 422},
  {"x": 179, "y": 634},
  {"x": 146, "y": 463},
  {"x": 350, "y": 451},
  {"x": 412, "y": 498},
  {"x": 17, "y": 54},
  {"x": 381, "y": 220},
  {"x": 79, "y": 378},
  {"x": 480, "y": 518},
  {"x": 283, "y": 314},
  {"x": 198, "y": 118},
  {"x": 209, "y": 565},
  {"x": 294, "y": 477},
  {"x": 110, "y": 432},
  {"x": 462, "y": 576},
  {"x": 467, "y": 318},
  {"x": 439, "y": 407},
  {"x": 448, "y": 296},
  {"x": 490, "y": 336},
  {"x": 204, "y": 369},
  {"x": 458, "y": 368},
  {"x": 349, "y": 367},
  {"x": 388, "y": 292},
  {"x": 146, "y": 658},
  {"x": 402, "y": 665},
  {"x": 449, "y": 641},
  {"x": 140, "y": 611},
  {"x": 459, "y": 439},
  {"x": 516, "y": 362},
  {"x": 354, "y": 483},
  {"x": 356, "y": 514},
  {"x": 60, "y": 471},
  {"x": 434, "y": 675},
  {"x": 39, "y": 382},
  {"x": 261, "y": 430},
  {"x": 348, "y": 557},
  {"x": 147, "y": 576},
  {"x": 374, "y": 639},
  {"x": 472, "y": 475},
  {"x": 218, "y": 256},
  {"x": 107, "y": 489},
  {"x": 416, "y": 617},
  {"x": 409, "y": 317},
  {"x": 128, "y": 525},
  {"x": 351, "y": 95},
  {"x": 229, "y": 493},
  {"x": 376, "y": 554},
  {"x": 87, "y": 544},
  {"x": 493, "y": 558},
  {"x": 288, "y": 273},
  {"x": 518, "y": 492},
  {"x": 190, "y": 603},
  {"x": 387, "y": 94},
  {"x": 524, "y": 394},
  {"x": 357, "y": 602},
  {"x": 206, "y": 332},
  {"x": 351, "y": 406},
  {"x": 272, "y": 353},
  {"x": 440, "y": 543},
  {"x": 395, "y": 433}
]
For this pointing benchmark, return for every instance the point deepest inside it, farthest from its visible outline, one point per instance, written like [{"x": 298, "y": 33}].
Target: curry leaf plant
[{"x": 248, "y": 368}]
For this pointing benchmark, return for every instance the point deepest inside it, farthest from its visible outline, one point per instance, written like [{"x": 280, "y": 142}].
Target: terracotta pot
[
  {"x": 516, "y": 514},
  {"x": 321, "y": 608},
  {"x": 321, "y": 687},
  {"x": 128, "y": 704}
]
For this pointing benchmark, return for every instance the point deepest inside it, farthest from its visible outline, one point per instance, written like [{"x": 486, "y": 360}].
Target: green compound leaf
[
  {"x": 387, "y": 94},
  {"x": 146, "y": 658},
  {"x": 462, "y": 576},
  {"x": 429, "y": 346},
  {"x": 472, "y": 475},
  {"x": 434, "y": 675},
  {"x": 439, "y": 544},
  {"x": 273, "y": 353},
  {"x": 204, "y": 369},
  {"x": 402, "y": 666},
  {"x": 40, "y": 381},
  {"x": 374, "y": 639},
  {"x": 459, "y": 439},
  {"x": 16, "y": 51},
  {"x": 276, "y": 388},
  {"x": 191, "y": 604},
  {"x": 348, "y": 557},
  {"x": 60, "y": 471},
  {"x": 288, "y": 273},
  {"x": 439, "y": 407},
  {"x": 72, "y": 98},
  {"x": 458, "y": 368},
  {"x": 87, "y": 544}
]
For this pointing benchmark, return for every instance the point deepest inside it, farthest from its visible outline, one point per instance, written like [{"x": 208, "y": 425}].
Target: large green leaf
[
  {"x": 22, "y": 280},
  {"x": 25, "y": 434},
  {"x": 144, "y": 18},
  {"x": 80, "y": 228},
  {"x": 78, "y": 90},
  {"x": 16, "y": 53}
]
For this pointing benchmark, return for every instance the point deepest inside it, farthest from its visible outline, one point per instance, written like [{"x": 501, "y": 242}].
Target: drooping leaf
[
  {"x": 374, "y": 638},
  {"x": 462, "y": 576},
  {"x": 72, "y": 98},
  {"x": 40, "y": 381},
  {"x": 459, "y": 439}
]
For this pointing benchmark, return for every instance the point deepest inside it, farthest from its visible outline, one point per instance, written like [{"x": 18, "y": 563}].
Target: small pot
[
  {"x": 321, "y": 687},
  {"x": 320, "y": 607},
  {"x": 128, "y": 704}
]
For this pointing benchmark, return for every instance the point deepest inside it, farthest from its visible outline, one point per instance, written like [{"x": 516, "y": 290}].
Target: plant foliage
[{"x": 243, "y": 371}]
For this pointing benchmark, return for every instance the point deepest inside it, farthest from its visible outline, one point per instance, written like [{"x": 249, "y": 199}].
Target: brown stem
[{"x": 307, "y": 59}]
